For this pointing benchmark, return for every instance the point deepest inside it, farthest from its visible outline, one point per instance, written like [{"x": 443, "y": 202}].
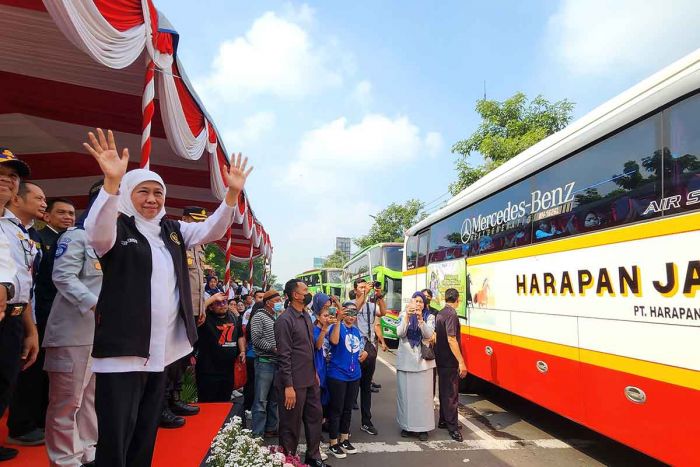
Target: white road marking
[
  {"x": 471, "y": 426},
  {"x": 466, "y": 445}
]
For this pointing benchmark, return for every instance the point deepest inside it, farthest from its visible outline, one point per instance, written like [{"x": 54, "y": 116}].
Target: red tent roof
[{"x": 67, "y": 67}]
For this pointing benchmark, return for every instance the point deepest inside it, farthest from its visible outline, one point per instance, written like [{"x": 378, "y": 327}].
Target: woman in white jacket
[{"x": 415, "y": 413}]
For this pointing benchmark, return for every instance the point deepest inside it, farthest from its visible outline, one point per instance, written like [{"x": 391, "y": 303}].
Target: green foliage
[
  {"x": 188, "y": 393},
  {"x": 391, "y": 223},
  {"x": 336, "y": 260},
  {"x": 239, "y": 270},
  {"x": 507, "y": 129}
]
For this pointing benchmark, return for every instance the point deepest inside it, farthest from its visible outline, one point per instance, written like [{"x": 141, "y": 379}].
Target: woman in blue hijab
[{"x": 414, "y": 374}]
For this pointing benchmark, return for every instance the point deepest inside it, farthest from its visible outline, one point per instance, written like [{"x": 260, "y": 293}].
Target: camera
[{"x": 377, "y": 285}]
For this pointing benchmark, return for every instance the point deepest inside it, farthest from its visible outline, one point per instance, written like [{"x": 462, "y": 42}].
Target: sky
[{"x": 345, "y": 107}]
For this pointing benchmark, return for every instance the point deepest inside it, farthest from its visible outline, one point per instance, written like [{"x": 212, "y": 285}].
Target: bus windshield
[
  {"x": 334, "y": 277},
  {"x": 393, "y": 257}
]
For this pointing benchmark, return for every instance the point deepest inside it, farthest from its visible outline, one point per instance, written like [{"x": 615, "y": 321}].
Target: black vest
[{"x": 123, "y": 312}]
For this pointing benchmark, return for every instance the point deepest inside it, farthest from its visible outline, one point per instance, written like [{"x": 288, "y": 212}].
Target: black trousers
[
  {"x": 128, "y": 407},
  {"x": 214, "y": 387},
  {"x": 249, "y": 388},
  {"x": 30, "y": 399},
  {"x": 174, "y": 373},
  {"x": 343, "y": 395},
  {"x": 11, "y": 338},
  {"x": 448, "y": 382},
  {"x": 368, "y": 367},
  {"x": 307, "y": 410}
]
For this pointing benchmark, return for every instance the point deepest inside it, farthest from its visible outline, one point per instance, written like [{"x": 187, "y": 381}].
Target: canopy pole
[
  {"x": 227, "y": 276},
  {"x": 250, "y": 264},
  {"x": 148, "y": 108}
]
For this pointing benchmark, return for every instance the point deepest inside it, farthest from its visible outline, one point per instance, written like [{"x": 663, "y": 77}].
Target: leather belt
[{"x": 15, "y": 309}]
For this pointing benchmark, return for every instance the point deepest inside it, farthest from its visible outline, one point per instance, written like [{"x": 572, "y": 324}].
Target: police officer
[
  {"x": 71, "y": 422},
  {"x": 174, "y": 408},
  {"x": 19, "y": 343}
]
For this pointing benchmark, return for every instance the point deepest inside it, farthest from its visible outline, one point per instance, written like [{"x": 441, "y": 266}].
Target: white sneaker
[
  {"x": 324, "y": 456},
  {"x": 236, "y": 394}
]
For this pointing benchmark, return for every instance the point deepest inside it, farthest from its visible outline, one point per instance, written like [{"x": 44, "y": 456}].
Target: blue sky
[{"x": 345, "y": 107}]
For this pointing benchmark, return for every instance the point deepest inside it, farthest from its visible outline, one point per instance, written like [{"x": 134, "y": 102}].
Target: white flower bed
[{"x": 234, "y": 446}]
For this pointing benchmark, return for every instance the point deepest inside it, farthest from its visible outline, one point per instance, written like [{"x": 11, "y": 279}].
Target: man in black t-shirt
[
  {"x": 221, "y": 341},
  {"x": 450, "y": 364}
]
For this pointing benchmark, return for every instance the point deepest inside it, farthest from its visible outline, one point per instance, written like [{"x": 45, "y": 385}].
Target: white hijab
[{"x": 149, "y": 228}]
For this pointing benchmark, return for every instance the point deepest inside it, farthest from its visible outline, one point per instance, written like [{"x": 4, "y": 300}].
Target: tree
[
  {"x": 336, "y": 260},
  {"x": 239, "y": 270},
  {"x": 507, "y": 129},
  {"x": 391, "y": 223}
]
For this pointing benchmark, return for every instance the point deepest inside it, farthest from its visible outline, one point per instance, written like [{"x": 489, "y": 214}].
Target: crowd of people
[{"x": 101, "y": 317}]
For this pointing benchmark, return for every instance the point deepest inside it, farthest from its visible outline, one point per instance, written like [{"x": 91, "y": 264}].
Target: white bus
[{"x": 578, "y": 263}]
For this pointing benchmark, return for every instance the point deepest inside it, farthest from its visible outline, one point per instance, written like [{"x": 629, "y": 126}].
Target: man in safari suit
[
  {"x": 71, "y": 422},
  {"x": 173, "y": 407}
]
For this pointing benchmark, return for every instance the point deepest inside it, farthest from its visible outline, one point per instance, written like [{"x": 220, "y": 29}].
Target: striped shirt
[{"x": 262, "y": 333}]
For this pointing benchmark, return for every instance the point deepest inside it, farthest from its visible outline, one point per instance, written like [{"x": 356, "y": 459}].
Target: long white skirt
[{"x": 415, "y": 410}]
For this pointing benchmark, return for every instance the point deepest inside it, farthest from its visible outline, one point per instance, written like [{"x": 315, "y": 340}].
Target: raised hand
[
  {"x": 113, "y": 166},
  {"x": 237, "y": 174}
]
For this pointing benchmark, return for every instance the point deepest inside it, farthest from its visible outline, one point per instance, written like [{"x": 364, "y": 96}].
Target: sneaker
[
  {"x": 7, "y": 453},
  {"x": 405, "y": 434},
  {"x": 33, "y": 438},
  {"x": 370, "y": 429},
  {"x": 376, "y": 386},
  {"x": 236, "y": 394},
  {"x": 324, "y": 456},
  {"x": 337, "y": 451},
  {"x": 423, "y": 436},
  {"x": 373, "y": 389},
  {"x": 457, "y": 436},
  {"x": 347, "y": 447}
]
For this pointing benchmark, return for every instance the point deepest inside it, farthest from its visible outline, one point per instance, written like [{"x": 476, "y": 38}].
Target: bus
[
  {"x": 380, "y": 262},
  {"x": 326, "y": 280},
  {"x": 578, "y": 264}
]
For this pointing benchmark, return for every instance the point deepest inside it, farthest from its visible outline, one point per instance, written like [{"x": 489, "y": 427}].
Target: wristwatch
[{"x": 10, "y": 289}]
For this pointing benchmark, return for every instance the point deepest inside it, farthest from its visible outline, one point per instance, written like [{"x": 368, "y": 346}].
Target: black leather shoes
[
  {"x": 315, "y": 463},
  {"x": 170, "y": 420},
  {"x": 7, "y": 453},
  {"x": 179, "y": 407}
]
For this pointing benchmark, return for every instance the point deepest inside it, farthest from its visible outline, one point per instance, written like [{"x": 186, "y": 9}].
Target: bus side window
[
  {"x": 422, "y": 259},
  {"x": 411, "y": 252}
]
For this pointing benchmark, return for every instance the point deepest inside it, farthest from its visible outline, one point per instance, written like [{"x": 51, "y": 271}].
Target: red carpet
[{"x": 183, "y": 447}]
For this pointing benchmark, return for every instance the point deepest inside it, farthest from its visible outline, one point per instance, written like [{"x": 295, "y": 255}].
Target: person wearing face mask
[
  {"x": 262, "y": 330},
  {"x": 139, "y": 333},
  {"x": 296, "y": 379}
]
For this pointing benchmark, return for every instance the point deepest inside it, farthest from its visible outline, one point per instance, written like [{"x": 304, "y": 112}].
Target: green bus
[
  {"x": 381, "y": 262},
  {"x": 326, "y": 280}
]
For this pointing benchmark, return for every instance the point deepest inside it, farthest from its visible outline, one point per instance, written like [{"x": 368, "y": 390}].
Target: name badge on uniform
[
  {"x": 190, "y": 261},
  {"x": 173, "y": 237},
  {"x": 98, "y": 266}
]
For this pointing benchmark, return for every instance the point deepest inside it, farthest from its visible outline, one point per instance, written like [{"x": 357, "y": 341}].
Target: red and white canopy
[{"x": 68, "y": 66}]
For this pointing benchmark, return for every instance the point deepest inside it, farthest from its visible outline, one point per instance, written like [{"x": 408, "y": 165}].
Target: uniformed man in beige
[{"x": 174, "y": 408}]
